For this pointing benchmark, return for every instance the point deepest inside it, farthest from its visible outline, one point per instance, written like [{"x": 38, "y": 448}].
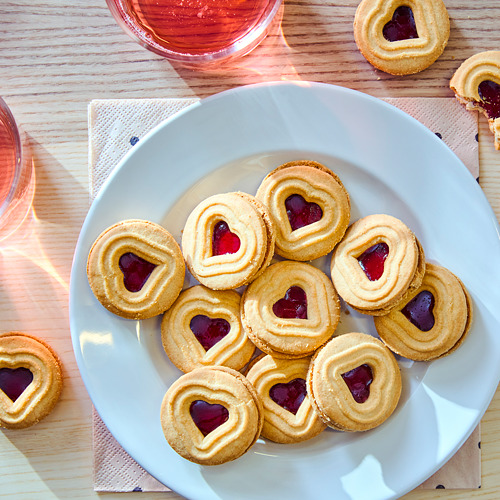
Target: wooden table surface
[{"x": 57, "y": 56}]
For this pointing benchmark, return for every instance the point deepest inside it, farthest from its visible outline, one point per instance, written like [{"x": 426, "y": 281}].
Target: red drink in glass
[
  {"x": 196, "y": 31},
  {"x": 15, "y": 174}
]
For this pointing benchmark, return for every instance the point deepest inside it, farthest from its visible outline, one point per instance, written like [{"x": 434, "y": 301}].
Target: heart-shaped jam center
[
  {"x": 402, "y": 25},
  {"x": 372, "y": 260},
  {"x": 206, "y": 416},
  {"x": 489, "y": 92},
  {"x": 358, "y": 380},
  {"x": 14, "y": 381},
  {"x": 419, "y": 310},
  {"x": 301, "y": 212},
  {"x": 292, "y": 305},
  {"x": 290, "y": 395},
  {"x": 136, "y": 271},
  {"x": 209, "y": 331},
  {"x": 223, "y": 240}
]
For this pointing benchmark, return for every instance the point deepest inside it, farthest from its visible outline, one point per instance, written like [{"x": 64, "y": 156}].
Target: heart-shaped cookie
[
  {"x": 211, "y": 415},
  {"x": 309, "y": 206},
  {"x": 430, "y": 322},
  {"x": 30, "y": 380},
  {"x": 290, "y": 310},
  {"x": 203, "y": 328},
  {"x": 354, "y": 382},
  {"x": 281, "y": 385},
  {"x": 377, "y": 263},
  {"x": 228, "y": 240},
  {"x": 401, "y": 37},
  {"x": 135, "y": 269},
  {"x": 476, "y": 84}
]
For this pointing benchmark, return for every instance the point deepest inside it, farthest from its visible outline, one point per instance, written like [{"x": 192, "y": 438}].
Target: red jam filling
[
  {"x": 290, "y": 395},
  {"x": 136, "y": 271},
  {"x": 14, "y": 381},
  {"x": 206, "y": 416},
  {"x": 209, "y": 331},
  {"x": 292, "y": 305},
  {"x": 402, "y": 25},
  {"x": 358, "y": 380},
  {"x": 372, "y": 260},
  {"x": 223, "y": 240},
  {"x": 489, "y": 92},
  {"x": 419, "y": 310},
  {"x": 301, "y": 212}
]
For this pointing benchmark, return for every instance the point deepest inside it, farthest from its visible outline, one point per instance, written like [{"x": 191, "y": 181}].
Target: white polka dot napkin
[{"x": 116, "y": 125}]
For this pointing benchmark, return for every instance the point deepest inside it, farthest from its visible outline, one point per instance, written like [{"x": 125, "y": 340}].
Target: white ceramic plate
[{"x": 390, "y": 164}]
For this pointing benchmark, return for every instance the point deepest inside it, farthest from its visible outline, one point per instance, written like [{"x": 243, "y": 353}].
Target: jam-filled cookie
[
  {"x": 354, "y": 382},
  {"x": 211, "y": 415},
  {"x": 30, "y": 380},
  {"x": 135, "y": 269},
  {"x": 476, "y": 84},
  {"x": 228, "y": 240},
  {"x": 310, "y": 207},
  {"x": 432, "y": 321},
  {"x": 203, "y": 328},
  {"x": 401, "y": 37},
  {"x": 290, "y": 310},
  {"x": 377, "y": 262},
  {"x": 288, "y": 414}
]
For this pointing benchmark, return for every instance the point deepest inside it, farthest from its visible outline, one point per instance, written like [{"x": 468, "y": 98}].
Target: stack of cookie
[{"x": 267, "y": 359}]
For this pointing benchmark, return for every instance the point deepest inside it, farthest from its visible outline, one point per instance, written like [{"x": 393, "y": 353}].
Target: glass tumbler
[
  {"x": 16, "y": 174},
  {"x": 197, "y": 32}
]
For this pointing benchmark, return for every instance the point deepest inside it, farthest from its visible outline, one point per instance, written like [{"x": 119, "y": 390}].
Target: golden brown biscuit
[
  {"x": 228, "y": 240},
  {"x": 290, "y": 310},
  {"x": 354, "y": 382},
  {"x": 203, "y": 328},
  {"x": 211, "y": 415},
  {"x": 288, "y": 414},
  {"x": 310, "y": 208},
  {"x": 430, "y": 322},
  {"x": 30, "y": 380},
  {"x": 377, "y": 263},
  {"x": 401, "y": 37},
  {"x": 476, "y": 84},
  {"x": 135, "y": 269}
]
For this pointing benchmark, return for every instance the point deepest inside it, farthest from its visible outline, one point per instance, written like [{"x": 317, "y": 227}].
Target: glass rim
[
  {"x": 239, "y": 48},
  {"x": 11, "y": 123}
]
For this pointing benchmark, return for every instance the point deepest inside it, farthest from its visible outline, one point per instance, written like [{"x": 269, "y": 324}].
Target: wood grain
[{"x": 57, "y": 56}]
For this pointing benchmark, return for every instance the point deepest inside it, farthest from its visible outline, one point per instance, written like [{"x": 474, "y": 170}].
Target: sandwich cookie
[
  {"x": 228, "y": 240},
  {"x": 354, "y": 382},
  {"x": 211, "y": 415},
  {"x": 135, "y": 269},
  {"x": 432, "y": 321},
  {"x": 310, "y": 208}
]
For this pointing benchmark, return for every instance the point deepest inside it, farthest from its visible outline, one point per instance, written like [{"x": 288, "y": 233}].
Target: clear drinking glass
[
  {"x": 16, "y": 174},
  {"x": 196, "y": 32}
]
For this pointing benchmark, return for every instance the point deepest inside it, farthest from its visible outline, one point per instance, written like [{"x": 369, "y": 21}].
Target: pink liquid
[
  {"x": 8, "y": 156},
  {"x": 193, "y": 26}
]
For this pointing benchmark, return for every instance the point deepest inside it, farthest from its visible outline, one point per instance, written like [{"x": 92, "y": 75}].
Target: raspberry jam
[
  {"x": 419, "y": 310},
  {"x": 206, "y": 416},
  {"x": 290, "y": 395},
  {"x": 358, "y": 380},
  {"x": 136, "y": 271},
  {"x": 292, "y": 305},
  {"x": 209, "y": 331},
  {"x": 301, "y": 212},
  {"x": 14, "y": 381},
  {"x": 223, "y": 240},
  {"x": 372, "y": 260},
  {"x": 489, "y": 92},
  {"x": 402, "y": 25}
]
